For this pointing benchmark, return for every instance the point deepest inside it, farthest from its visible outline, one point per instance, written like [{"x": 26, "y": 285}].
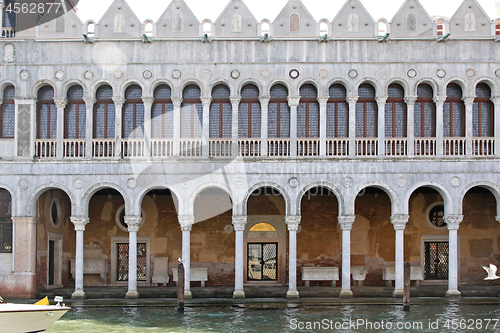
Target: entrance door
[
  {"x": 51, "y": 261},
  {"x": 262, "y": 262},
  {"x": 436, "y": 260},
  {"x": 122, "y": 261}
]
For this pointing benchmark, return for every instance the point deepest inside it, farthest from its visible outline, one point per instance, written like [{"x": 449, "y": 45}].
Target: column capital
[
  {"x": 239, "y": 222},
  {"x": 89, "y": 101},
  {"x": 399, "y": 221},
  {"x": 186, "y": 222},
  {"x": 266, "y": 99},
  {"x": 453, "y": 221},
  {"x": 25, "y": 101},
  {"x": 381, "y": 99},
  {"x": 79, "y": 222},
  {"x": 176, "y": 101},
  {"x": 206, "y": 101},
  {"x": 352, "y": 99},
  {"x": 439, "y": 99},
  {"x": 468, "y": 100},
  {"x": 292, "y": 221},
  {"x": 60, "y": 102},
  {"x": 497, "y": 218},
  {"x": 495, "y": 100},
  {"x": 133, "y": 222},
  {"x": 293, "y": 101},
  {"x": 410, "y": 100},
  {"x": 235, "y": 100},
  {"x": 323, "y": 100},
  {"x": 118, "y": 100},
  {"x": 346, "y": 221},
  {"x": 147, "y": 100}
]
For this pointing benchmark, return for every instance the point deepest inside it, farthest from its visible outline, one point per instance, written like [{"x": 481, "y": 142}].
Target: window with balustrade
[
  {"x": 162, "y": 113},
  {"x": 337, "y": 113},
  {"x": 482, "y": 112},
  {"x": 308, "y": 112},
  {"x": 454, "y": 112},
  {"x": 5, "y": 221},
  {"x": 8, "y": 112},
  {"x": 191, "y": 112},
  {"x": 133, "y": 113},
  {"x": 9, "y": 19},
  {"x": 249, "y": 113},
  {"x": 366, "y": 112},
  {"x": 75, "y": 114},
  {"x": 395, "y": 112},
  {"x": 279, "y": 113},
  {"x": 46, "y": 114},
  {"x": 104, "y": 114},
  {"x": 425, "y": 112},
  {"x": 221, "y": 113}
]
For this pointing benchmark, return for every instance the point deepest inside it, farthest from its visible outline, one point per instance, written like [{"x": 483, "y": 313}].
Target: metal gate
[
  {"x": 122, "y": 269},
  {"x": 436, "y": 260},
  {"x": 262, "y": 262}
]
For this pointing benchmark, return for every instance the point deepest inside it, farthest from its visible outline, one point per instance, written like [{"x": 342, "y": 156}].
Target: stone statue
[
  {"x": 119, "y": 23},
  {"x": 352, "y": 23}
]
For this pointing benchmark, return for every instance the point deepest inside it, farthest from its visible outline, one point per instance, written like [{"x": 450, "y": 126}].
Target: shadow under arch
[
  {"x": 395, "y": 201},
  {"x": 32, "y": 199},
  {"x": 206, "y": 186},
  {"x": 493, "y": 188},
  {"x": 329, "y": 186},
  {"x": 102, "y": 186},
  {"x": 273, "y": 185},
  {"x": 441, "y": 189},
  {"x": 156, "y": 186}
]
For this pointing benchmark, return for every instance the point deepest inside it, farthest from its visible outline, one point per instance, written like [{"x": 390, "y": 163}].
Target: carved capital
[
  {"x": 292, "y": 222},
  {"x": 177, "y": 101},
  {"x": 381, "y": 99},
  {"x": 147, "y": 100},
  {"x": 497, "y": 218},
  {"x": 79, "y": 222},
  {"x": 352, "y": 100},
  {"x": 399, "y": 221},
  {"x": 323, "y": 101},
  {"x": 468, "y": 101},
  {"x": 60, "y": 102},
  {"x": 264, "y": 100},
  {"x": 439, "y": 100},
  {"x": 346, "y": 221},
  {"x": 206, "y": 101},
  {"x": 119, "y": 101},
  {"x": 496, "y": 100},
  {"x": 293, "y": 101},
  {"x": 235, "y": 101},
  {"x": 133, "y": 222},
  {"x": 410, "y": 100},
  {"x": 453, "y": 221},
  {"x": 186, "y": 222},
  {"x": 89, "y": 101},
  {"x": 239, "y": 222}
]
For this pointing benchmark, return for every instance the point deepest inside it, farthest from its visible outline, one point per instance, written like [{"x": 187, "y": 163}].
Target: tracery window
[
  {"x": 75, "y": 114},
  {"x": 482, "y": 112},
  {"x": 249, "y": 113},
  {"x": 337, "y": 113},
  {"x": 133, "y": 113},
  {"x": 5, "y": 221},
  {"x": 308, "y": 112},
  {"x": 279, "y": 113},
  {"x": 221, "y": 113},
  {"x": 162, "y": 119},
  {"x": 395, "y": 112},
  {"x": 454, "y": 112},
  {"x": 8, "y": 112},
  {"x": 366, "y": 112},
  {"x": 104, "y": 114},
  {"x": 47, "y": 114},
  {"x": 425, "y": 112},
  {"x": 191, "y": 113}
]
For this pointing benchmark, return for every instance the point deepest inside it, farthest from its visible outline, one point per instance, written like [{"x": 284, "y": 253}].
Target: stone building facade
[{"x": 249, "y": 148}]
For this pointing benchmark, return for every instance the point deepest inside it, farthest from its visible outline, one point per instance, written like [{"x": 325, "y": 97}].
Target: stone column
[
  {"x": 399, "y": 223},
  {"x": 206, "y": 125},
  {"x": 148, "y": 103},
  {"x": 323, "y": 101},
  {"x": 186, "y": 223},
  {"x": 119, "y": 101},
  {"x": 2, "y": 5},
  {"x": 60, "y": 104},
  {"x": 410, "y": 125},
  {"x": 381, "y": 124},
  {"x": 293, "y": 103},
  {"x": 239, "y": 223},
  {"x": 133, "y": 223},
  {"x": 293, "y": 225},
  {"x": 352, "y": 125},
  {"x": 346, "y": 222},
  {"x": 79, "y": 223},
  {"x": 469, "y": 102},
  {"x": 496, "y": 117},
  {"x": 89, "y": 125},
  {"x": 235, "y": 103},
  {"x": 25, "y": 255},
  {"x": 264, "y": 109},
  {"x": 453, "y": 222},
  {"x": 177, "y": 101},
  {"x": 439, "y": 124}
]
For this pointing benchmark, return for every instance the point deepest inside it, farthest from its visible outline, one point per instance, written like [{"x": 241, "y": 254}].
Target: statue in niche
[
  {"x": 411, "y": 22},
  {"x": 119, "y": 23},
  {"x": 177, "y": 24},
  {"x": 8, "y": 53},
  {"x": 236, "y": 23},
  {"x": 352, "y": 23},
  {"x": 470, "y": 22}
]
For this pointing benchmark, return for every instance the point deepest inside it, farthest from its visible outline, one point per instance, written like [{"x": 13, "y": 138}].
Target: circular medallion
[
  {"x": 235, "y": 74},
  {"x": 294, "y": 74},
  {"x": 228, "y": 229},
  {"x": 265, "y": 74},
  {"x": 78, "y": 183},
  {"x": 186, "y": 182},
  {"x": 470, "y": 72},
  {"x": 59, "y": 75},
  {"x": 441, "y": 73},
  {"x": 412, "y": 73},
  {"x": 323, "y": 73},
  {"x": 118, "y": 74},
  {"x": 293, "y": 182},
  {"x": 24, "y": 75},
  {"x": 402, "y": 181},
  {"x": 147, "y": 74},
  {"x": 206, "y": 74},
  {"x": 348, "y": 182},
  {"x": 131, "y": 183},
  {"x": 88, "y": 75},
  {"x": 353, "y": 73},
  {"x": 176, "y": 74},
  {"x": 382, "y": 73},
  {"x": 497, "y": 73},
  {"x": 239, "y": 182},
  {"x": 23, "y": 183},
  {"x": 455, "y": 181}
]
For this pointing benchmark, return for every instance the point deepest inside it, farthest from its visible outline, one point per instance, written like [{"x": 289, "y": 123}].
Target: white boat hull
[{"x": 21, "y": 318}]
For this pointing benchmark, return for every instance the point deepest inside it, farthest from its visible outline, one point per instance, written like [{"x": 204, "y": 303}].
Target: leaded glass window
[
  {"x": 425, "y": 112},
  {"x": 337, "y": 113},
  {"x": 47, "y": 114},
  {"x": 395, "y": 112},
  {"x": 221, "y": 113},
  {"x": 75, "y": 114},
  {"x": 308, "y": 113},
  {"x": 249, "y": 113},
  {"x": 104, "y": 114},
  {"x": 482, "y": 112},
  {"x": 162, "y": 119},
  {"x": 5, "y": 221},
  {"x": 191, "y": 113},
  {"x": 279, "y": 113},
  {"x": 454, "y": 112},
  {"x": 8, "y": 113},
  {"x": 133, "y": 113},
  {"x": 366, "y": 112}
]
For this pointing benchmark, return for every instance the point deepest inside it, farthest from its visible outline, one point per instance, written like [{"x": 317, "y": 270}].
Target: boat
[{"x": 21, "y": 318}]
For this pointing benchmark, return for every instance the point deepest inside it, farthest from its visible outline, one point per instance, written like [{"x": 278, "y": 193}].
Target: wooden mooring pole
[
  {"x": 180, "y": 287},
  {"x": 406, "y": 291}
]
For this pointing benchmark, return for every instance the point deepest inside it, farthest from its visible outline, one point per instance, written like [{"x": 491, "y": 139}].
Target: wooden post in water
[
  {"x": 180, "y": 286},
  {"x": 406, "y": 291}
]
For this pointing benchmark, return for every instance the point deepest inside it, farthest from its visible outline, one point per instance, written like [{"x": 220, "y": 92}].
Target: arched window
[
  {"x": 75, "y": 114},
  {"x": 249, "y": 113},
  {"x": 482, "y": 116},
  {"x": 279, "y": 113},
  {"x": 5, "y": 221},
  {"x": 308, "y": 112},
  {"x": 454, "y": 112},
  {"x": 337, "y": 113},
  {"x": 148, "y": 28},
  {"x": 395, "y": 112},
  {"x": 294, "y": 23},
  {"x": 323, "y": 28},
  {"x": 440, "y": 28},
  {"x": 9, "y": 19},
  {"x": 8, "y": 112},
  {"x": 264, "y": 27},
  {"x": 497, "y": 28},
  {"x": 382, "y": 27},
  {"x": 133, "y": 113},
  {"x": 207, "y": 28},
  {"x": 90, "y": 29},
  {"x": 366, "y": 112},
  {"x": 104, "y": 114},
  {"x": 47, "y": 114},
  {"x": 425, "y": 112},
  {"x": 221, "y": 114},
  {"x": 162, "y": 119},
  {"x": 191, "y": 113}
]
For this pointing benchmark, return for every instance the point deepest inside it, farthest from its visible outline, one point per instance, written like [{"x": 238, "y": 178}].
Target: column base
[
  {"x": 187, "y": 294},
  {"x": 132, "y": 294},
  {"x": 239, "y": 294},
  {"x": 453, "y": 293},
  {"x": 292, "y": 294},
  {"x": 78, "y": 294},
  {"x": 398, "y": 293},
  {"x": 345, "y": 293}
]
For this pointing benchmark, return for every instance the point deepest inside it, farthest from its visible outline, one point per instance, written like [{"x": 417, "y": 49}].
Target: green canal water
[{"x": 449, "y": 317}]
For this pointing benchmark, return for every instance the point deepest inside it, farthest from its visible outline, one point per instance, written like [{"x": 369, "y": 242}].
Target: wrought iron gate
[
  {"x": 436, "y": 260},
  {"x": 122, "y": 269},
  {"x": 262, "y": 262}
]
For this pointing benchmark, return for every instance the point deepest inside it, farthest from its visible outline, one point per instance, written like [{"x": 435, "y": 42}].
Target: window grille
[
  {"x": 47, "y": 114},
  {"x": 483, "y": 112},
  {"x": 133, "y": 113},
  {"x": 76, "y": 113},
  {"x": 395, "y": 113},
  {"x": 8, "y": 113},
  {"x": 279, "y": 113},
  {"x": 454, "y": 112},
  {"x": 337, "y": 113},
  {"x": 249, "y": 113},
  {"x": 366, "y": 112},
  {"x": 425, "y": 112},
  {"x": 104, "y": 114},
  {"x": 191, "y": 113},
  {"x": 308, "y": 113},
  {"x": 220, "y": 123},
  {"x": 162, "y": 113},
  {"x": 5, "y": 222}
]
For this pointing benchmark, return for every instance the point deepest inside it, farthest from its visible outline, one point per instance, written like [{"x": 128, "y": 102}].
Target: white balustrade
[
  {"x": 396, "y": 146},
  {"x": 454, "y": 146},
  {"x": 45, "y": 148},
  {"x": 133, "y": 147},
  {"x": 337, "y": 147},
  {"x": 74, "y": 148},
  {"x": 249, "y": 147},
  {"x": 191, "y": 147},
  {"x": 103, "y": 148},
  {"x": 366, "y": 146},
  {"x": 8, "y": 32},
  {"x": 220, "y": 148},
  {"x": 278, "y": 147},
  {"x": 483, "y": 146},
  {"x": 425, "y": 146},
  {"x": 162, "y": 147},
  {"x": 307, "y": 147}
]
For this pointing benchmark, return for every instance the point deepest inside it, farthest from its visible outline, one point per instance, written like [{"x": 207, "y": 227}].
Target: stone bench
[
  {"x": 359, "y": 274},
  {"x": 197, "y": 274},
  {"x": 320, "y": 274},
  {"x": 416, "y": 274}
]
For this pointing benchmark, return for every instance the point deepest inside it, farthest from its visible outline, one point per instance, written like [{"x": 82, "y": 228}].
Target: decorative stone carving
[
  {"x": 292, "y": 221},
  {"x": 78, "y": 183},
  {"x": 402, "y": 181},
  {"x": 455, "y": 181},
  {"x": 177, "y": 23},
  {"x": 119, "y": 23},
  {"x": 8, "y": 53},
  {"x": 186, "y": 222},
  {"x": 235, "y": 74},
  {"x": 411, "y": 22},
  {"x": 186, "y": 182},
  {"x": 228, "y": 229},
  {"x": 206, "y": 74},
  {"x": 147, "y": 74},
  {"x": 131, "y": 183},
  {"x": 265, "y": 74},
  {"x": 60, "y": 102},
  {"x": 60, "y": 75},
  {"x": 353, "y": 73},
  {"x": 133, "y": 222},
  {"x": 441, "y": 73},
  {"x": 412, "y": 73},
  {"x": 470, "y": 22},
  {"x": 23, "y": 183},
  {"x": 470, "y": 72},
  {"x": 23, "y": 130},
  {"x": 79, "y": 222},
  {"x": 353, "y": 23},
  {"x": 176, "y": 74},
  {"x": 348, "y": 181},
  {"x": 294, "y": 74},
  {"x": 453, "y": 221},
  {"x": 240, "y": 182},
  {"x": 239, "y": 222},
  {"x": 293, "y": 182},
  {"x": 236, "y": 23},
  {"x": 323, "y": 74},
  {"x": 497, "y": 73},
  {"x": 118, "y": 74},
  {"x": 399, "y": 221},
  {"x": 24, "y": 75},
  {"x": 88, "y": 75},
  {"x": 346, "y": 221},
  {"x": 382, "y": 73}
]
